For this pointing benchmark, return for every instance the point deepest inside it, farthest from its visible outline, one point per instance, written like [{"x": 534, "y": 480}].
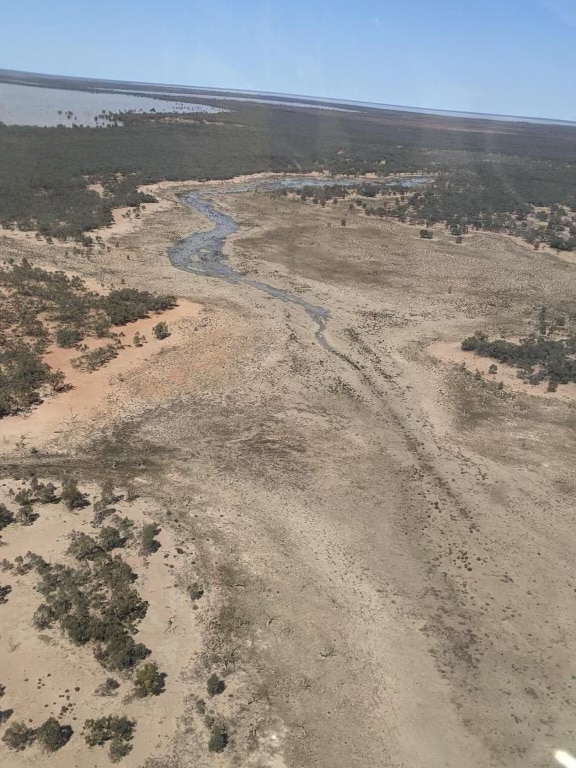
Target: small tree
[
  {"x": 5, "y": 715},
  {"x": 6, "y": 517},
  {"x": 103, "y": 729},
  {"x": 215, "y": 685},
  {"x": 72, "y": 496},
  {"x": 84, "y": 547},
  {"x": 107, "y": 495},
  {"x": 160, "y": 330},
  {"x": 118, "y": 749},
  {"x": 195, "y": 591},
  {"x": 111, "y": 538},
  {"x": 148, "y": 544},
  {"x": 26, "y": 515},
  {"x": 148, "y": 681},
  {"x": 57, "y": 380},
  {"x": 51, "y": 735},
  {"x": 46, "y": 493},
  {"x": 218, "y": 738}
]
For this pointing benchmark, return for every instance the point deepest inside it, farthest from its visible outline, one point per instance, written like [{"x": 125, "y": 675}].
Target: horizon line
[{"x": 311, "y": 100}]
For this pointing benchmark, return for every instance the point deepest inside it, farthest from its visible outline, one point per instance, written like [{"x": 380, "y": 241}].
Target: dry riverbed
[{"x": 384, "y": 540}]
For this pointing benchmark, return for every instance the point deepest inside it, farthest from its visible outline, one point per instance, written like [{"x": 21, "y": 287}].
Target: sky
[{"x": 510, "y": 57}]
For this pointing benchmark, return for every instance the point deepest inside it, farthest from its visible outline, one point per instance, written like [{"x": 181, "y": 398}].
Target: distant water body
[
  {"x": 159, "y": 92},
  {"x": 49, "y": 107}
]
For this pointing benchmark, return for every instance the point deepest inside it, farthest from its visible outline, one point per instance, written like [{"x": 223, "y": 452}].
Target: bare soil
[{"x": 386, "y": 542}]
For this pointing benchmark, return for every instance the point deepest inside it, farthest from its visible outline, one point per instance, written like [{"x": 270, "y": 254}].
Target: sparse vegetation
[
  {"x": 43, "y": 182},
  {"x": 33, "y": 300},
  {"x": 537, "y": 358}
]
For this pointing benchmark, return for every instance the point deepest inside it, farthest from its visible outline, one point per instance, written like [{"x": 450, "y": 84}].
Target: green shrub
[
  {"x": 94, "y": 602},
  {"x": 195, "y": 591},
  {"x": 107, "y": 494},
  {"x": 218, "y": 738},
  {"x": 45, "y": 493},
  {"x": 148, "y": 681},
  {"x": 51, "y": 735},
  {"x": 84, "y": 547},
  {"x": 5, "y": 715},
  {"x": 68, "y": 337},
  {"x": 6, "y": 517},
  {"x": 26, "y": 515},
  {"x": 148, "y": 543},
  {"x": 111, "y": 538},
  {"x": 108, "y": 687},
  {"x": 72, "y": 496},
  {"x": 128, "y": 304},
  {"x": 103, "y": 729},
  {"x": 215, "y": 685},
  {"x": 18, "y": 736},
  {"x": 118, "y": 749},
  {"x": 122, "y": 652},
  {"x": 161, "y": 331},
  {"x": 4, "y": 592},
  {"x": 95, "y": 358}
]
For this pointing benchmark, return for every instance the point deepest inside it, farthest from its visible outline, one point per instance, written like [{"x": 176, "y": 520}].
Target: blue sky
[{"x": 513, "y": 57}]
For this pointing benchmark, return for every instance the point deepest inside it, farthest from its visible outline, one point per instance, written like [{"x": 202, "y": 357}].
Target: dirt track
[{"x": 388, "y": 541}]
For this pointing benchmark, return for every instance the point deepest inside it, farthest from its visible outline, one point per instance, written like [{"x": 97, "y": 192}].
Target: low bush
[
  {"x": 68, "y": 337},
  {"x": 161, "y": 331},
  {"x": 18, "y": 736},
  {"x": 6, "y": 517},
  {"x": 218, "y": 738},
  {"x": 215, "y": 685},
  {"x": 108, "y": 687},
  {"x": 148, "y": 681},
  {"x": 72, "y": 496},
  {"x": 26, "y": 515},
  {"x": 148, "y": 543},
  {"x": 52, "y": 736}
]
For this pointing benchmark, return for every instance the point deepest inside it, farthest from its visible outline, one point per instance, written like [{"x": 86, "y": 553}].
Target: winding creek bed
[{"x": 203, "y": 252}]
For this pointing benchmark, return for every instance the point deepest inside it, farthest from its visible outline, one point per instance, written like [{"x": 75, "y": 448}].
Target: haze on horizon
[{"x": 503, "y": 58}]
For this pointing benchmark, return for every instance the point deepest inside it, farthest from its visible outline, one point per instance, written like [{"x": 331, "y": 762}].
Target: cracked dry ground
[{"x": 387, "y": 542}]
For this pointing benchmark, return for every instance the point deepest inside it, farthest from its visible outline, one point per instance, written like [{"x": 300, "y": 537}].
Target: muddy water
[{"x": 203, "y": 252}]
